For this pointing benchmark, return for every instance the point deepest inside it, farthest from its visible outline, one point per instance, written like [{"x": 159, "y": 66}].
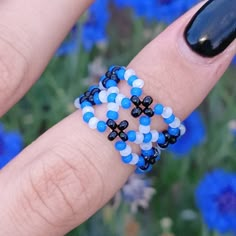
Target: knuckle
[{"x": 63, "y": 186}]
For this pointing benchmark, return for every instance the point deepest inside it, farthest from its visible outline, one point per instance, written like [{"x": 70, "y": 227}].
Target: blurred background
[{"x": 192, "y": 190}]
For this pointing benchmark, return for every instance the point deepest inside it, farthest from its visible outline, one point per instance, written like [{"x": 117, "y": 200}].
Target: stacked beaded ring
[{"x": 151, "y": 142}]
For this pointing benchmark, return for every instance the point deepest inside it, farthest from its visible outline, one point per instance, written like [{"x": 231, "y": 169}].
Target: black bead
[
  {"x": 152, "y": 161},
  {"x": 172, "y": 139},
  {"x": 123, "y": 136},
  {"x": 145, "y": 167},
  {"x": 115, "y": 78},
  {"x": 148, "y": 112},
  {"x": 95, "y": 90},
  {"x": 83, "y": 99},
  {"x": 108, "y": 74},
  {"x": 165, "y": 145},
  {"x": 156, "y": 152},
  {"x": 123, "y": 125},
  {"x": 147, "y": 101},
  {"x": 136, "y": 112},
  {"x": 116, "y": 68},
  {"x": 104, "y": 82},
  {"x": 135, "y": 100},
  {"x": 87, "y": 93},
  {"x": 111, "y": 124},
  {"x": 166, "y": 134},
  {"x": 112, "y": 135}
]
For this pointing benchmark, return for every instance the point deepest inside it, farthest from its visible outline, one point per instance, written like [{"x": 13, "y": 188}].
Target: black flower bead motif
[
  {"x": 117, "y": 130},
  {"x": 169, "y": 139},
  {"x": 150, "y": 160},
  {"x": 111, "y": 75},
  {"x": 142, "y": 107},
  {"x": 89, "y": 96}
]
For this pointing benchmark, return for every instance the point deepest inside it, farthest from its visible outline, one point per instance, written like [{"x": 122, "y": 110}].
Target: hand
[{"x": 70, "y": 172}]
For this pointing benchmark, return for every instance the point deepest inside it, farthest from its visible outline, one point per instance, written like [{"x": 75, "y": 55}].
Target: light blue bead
[
  {"x": 111, "y": 97},
  {"x": 136, "y": 92},
  {"x": 145, "y": 120},
  {"x": 112, "y": 115},
  {"x": 87, "y": 116},
  {"x": 120, "y": 145},
  {"x": 169, "y": 119},
  {"x": 126, "y": 103},
  {"x": 161, "y": 139},
  {"x": 101, "y": 126},
  {"x": 127, "y": 159},
  {"x": 158, "y": 109},
  {"x": 173, "y": 131},
  {"x": 148, "y": 153},
  {"x": 96, "y": 99},
  {"x": 131, "y": 135},
  {"x": 140, "y": 171},
  {"x": 111, "y": 83},
  {"x": 147, "y": 138},
  {"x": 120, "y": 73},
  {"x": 131, "y": 80},
  {"x": 85, "y": 104},
  {"x": 111, "y": 68},
  {"x": 92, "y": 87},
  {"x": 102, "y": 78}
]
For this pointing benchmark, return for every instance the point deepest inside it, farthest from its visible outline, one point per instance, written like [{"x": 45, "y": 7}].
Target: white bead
[
  {"x": 112, "y": 106},
  {"x": 146, "y": 146},
  {"x": 100, "y": 85},
  {"x": 138, "y": 83},
  {"x": 182, "y": 129},
  {"x": 127, "y": 151},
  {"x": 93, "y": 122},
  {"x": 113, "y": 90},
  {"x": 155, "y": 135},
  {"x": 77, "y": 103},
  {"x": 103, "y": 96},
  {"x": 87, "y": 109},
  {"x": 139, "y": 138},
  {"x": 176, "y": 123},
  {"x": 129, "y": 73},
  {"x": 144, "y": 129},
  {"x": 167, "y": 112},
  {"x": 135, "y": 159},
  {"x": 119, "y": 98}
]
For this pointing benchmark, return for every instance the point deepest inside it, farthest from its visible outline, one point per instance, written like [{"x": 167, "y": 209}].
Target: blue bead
[
  {"x": 145, "y": 120},
  {"x": 101, "y": 126},
  {"x": 120, "y": 73},
  {"x": 111, "y": 68},
  {"x": 111, "y": 97},
  {"x": 87, "y": 116},
  {"x": 148, "y": 153},
  {"x": 131, "y": 135},
  {"x": 112, "y": 115},
  {"x": 127, "y": 159},
  {"x": 126, "y": 103},
  {"x": 131, "y": 80},
  {"x": 169, "y": 119},
  {"x": 161, "y": 139},
  {"x": 147, "y": 138},
  {"x": 141, "y": 162},
  {"x": 158, "y": 109},
  {"x": 85, "y": 104},
  {"x": 111, "y": 83},
  {"x": 136, "y": 92},
  {"x": 173, "y": 131},
  {"x": 120, "y": 145},
  {"x": 140, "y": 171},
  {"x": 96, "y": 99}
]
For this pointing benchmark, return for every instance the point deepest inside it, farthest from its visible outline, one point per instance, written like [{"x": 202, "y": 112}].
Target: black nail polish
[{"x": 212, "y": 28}]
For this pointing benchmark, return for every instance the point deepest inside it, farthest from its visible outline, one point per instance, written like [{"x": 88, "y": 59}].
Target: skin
[{"x": 68, "y": 173}]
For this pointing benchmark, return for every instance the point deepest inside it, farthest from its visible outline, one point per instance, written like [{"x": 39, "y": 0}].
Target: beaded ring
[{"x": 151, "y": 142}]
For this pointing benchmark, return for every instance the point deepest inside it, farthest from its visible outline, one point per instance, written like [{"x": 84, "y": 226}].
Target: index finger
[{"x": 30, "y": 32}]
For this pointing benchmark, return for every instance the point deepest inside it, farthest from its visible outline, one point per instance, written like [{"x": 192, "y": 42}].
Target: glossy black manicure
[{"x": 212, "y": 28}]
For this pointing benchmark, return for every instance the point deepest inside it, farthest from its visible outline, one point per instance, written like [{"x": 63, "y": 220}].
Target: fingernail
[{"x": 213, "y": 28}]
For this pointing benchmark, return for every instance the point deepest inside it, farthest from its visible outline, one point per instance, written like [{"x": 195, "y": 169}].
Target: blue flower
[
  {"x": 94, "y": 28},
  {"x": 11, "y": 144},
  {"x": 194, "y": 136},
  {"x": 216, "y": 199},
  {"x": 234, "y": 61},
  {"x": 70, "y": 45},
  {"x": 158, "y": 10}
]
